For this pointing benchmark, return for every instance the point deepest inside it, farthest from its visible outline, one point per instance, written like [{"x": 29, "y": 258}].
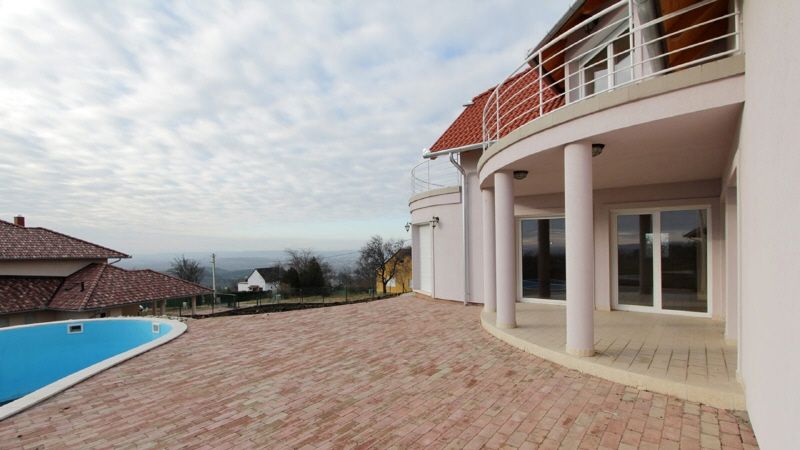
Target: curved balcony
[
  {"x": 622, "y": 44},
  {"x": 433, "y": 174}
]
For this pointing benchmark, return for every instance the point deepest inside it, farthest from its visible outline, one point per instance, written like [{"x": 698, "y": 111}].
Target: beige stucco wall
[{"x": 769, "y": 193}]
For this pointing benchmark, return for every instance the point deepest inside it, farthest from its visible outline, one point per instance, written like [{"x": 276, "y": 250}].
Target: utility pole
[{"x": 214, "y": 276}]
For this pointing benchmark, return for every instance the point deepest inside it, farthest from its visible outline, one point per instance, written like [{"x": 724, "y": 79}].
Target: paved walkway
[
  {"x": 677, "y": 355},
  {"x": 395, "y": 373}
]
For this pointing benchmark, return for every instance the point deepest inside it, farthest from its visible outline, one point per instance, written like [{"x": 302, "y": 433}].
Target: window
[
  {"x": 543, "y": 259},
  {"x": 609, "y": 66}
]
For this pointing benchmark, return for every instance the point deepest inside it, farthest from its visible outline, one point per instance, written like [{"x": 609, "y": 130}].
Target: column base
[
  {"x": 580, "y": 352},
  {"x": 505, "y": 326},
  {"x": 489, "y": 310}
]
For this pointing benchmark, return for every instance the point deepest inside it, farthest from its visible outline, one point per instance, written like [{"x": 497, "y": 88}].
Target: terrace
[{"x": 402, "y": 372}]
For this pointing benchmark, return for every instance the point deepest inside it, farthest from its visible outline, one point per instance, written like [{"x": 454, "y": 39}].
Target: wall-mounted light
[
  {"x": 597, "y": 149},
  {"x": 434, "y": 221},
  {"x": 520, "y": 174},
  {"x": 408, "y": 226}
]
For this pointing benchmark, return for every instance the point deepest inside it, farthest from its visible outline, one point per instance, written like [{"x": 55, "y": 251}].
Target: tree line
[{"x": 306, "y": 269}]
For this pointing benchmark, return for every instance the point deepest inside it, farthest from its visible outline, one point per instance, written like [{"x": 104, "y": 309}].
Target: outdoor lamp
[
  {"x": 520, "y": 174},
  {"x": 434, "y": 221},
  {"x": 597, "y": 149},
  {"x": 408, "y": 226}
]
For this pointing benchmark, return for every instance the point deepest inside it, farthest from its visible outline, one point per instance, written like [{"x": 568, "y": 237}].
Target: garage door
[{"x": 425, "y": 259}]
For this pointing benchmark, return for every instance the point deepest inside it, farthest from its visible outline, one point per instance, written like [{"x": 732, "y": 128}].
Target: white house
[
  {"x": 638, "y": 167},
  {"x": 263, "y": 279}
]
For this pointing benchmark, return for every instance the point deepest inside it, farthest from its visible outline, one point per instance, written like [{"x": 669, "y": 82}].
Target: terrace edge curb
[{"x": 716, "y": 399}]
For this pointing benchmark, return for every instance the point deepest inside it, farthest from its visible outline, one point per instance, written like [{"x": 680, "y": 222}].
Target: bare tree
[
  {"x": 311, "y": 270},
  {"x": 187, "y": 269},
  {"x": 376, "y": 260}
]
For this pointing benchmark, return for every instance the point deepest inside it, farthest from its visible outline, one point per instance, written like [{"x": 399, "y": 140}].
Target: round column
[
  {"x": 579, "y": 217},
  {"x": 505, "y": 255},
  {"x": 489, "y": 284}
]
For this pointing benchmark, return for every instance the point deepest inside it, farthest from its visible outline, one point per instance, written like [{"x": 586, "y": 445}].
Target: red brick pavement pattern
[{"x": 397, "y": 373}]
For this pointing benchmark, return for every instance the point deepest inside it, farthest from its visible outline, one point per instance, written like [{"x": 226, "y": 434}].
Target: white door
[{"x": 425, "y": 259}]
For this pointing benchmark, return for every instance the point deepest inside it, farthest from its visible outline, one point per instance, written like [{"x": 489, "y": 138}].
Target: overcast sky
[{"x": 196, "y": 126}]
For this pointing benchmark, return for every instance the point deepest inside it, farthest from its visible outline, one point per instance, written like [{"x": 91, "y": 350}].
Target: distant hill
[{"x": 234, "y": 266}]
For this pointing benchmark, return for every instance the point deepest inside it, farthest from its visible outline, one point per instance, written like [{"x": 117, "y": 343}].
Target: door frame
[
  {"x": 518, "y": 226},
  {"x": 657, "y": 294}
]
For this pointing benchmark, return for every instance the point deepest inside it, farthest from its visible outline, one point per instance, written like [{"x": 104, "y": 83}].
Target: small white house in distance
[{"x": 264, "y": 279}]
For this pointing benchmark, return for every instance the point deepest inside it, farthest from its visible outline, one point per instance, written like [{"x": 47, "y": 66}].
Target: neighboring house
[
  {"x": 641, "y": 159},
  {"x": 263, "y": 279},
  {"x": 46, "y": 276},
  {"x": 401, "y": 281}
]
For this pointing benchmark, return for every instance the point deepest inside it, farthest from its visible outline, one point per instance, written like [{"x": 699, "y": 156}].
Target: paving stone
[{"x": 396, "y": 373}]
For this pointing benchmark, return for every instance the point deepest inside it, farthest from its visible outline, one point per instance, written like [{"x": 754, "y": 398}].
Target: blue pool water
[{"x": 35, "y": 356}]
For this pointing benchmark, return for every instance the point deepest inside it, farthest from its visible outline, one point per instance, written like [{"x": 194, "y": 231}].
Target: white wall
[
  {"x": 52, "y": 268},
  {"x": 448, "y": 277},
  {"x": 769, "y": 193}
]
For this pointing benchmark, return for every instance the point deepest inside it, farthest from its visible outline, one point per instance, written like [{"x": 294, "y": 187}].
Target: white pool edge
[{"x": 45, "y": 392}]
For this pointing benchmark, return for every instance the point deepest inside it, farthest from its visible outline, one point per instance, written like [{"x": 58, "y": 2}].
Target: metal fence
[{"x": 304, "y": 297}]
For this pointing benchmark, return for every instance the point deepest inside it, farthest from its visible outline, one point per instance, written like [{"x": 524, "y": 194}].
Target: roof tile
[{"x": 27, "y": 243}]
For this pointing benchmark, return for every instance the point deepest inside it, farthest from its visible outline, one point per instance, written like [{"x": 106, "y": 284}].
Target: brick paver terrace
[{"x": 395, "y": 373}]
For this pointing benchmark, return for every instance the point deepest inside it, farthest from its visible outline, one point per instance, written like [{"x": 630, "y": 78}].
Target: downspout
[
  {"x": 464, "y": 223},
  {"x": 427, "y": 154}
]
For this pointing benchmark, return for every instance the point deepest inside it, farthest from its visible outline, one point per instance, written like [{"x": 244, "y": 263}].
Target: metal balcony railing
[
  {"x": 622, "y": 44},
  {"x": 433, "y": 174}
]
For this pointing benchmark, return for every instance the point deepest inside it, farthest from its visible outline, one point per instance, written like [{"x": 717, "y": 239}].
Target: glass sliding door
[
  {"x": 543, "y": 259},
  {"x": 635, "y": 259},
  {"x": 684, "y": 250},
  {"x": 661, "y": 260}
]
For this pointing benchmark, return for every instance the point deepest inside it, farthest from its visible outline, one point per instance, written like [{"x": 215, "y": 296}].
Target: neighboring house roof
[
  {"x": 402, "y": 253},
  {"x": 22, "y": 294},
  {"x": 34, "y": 243},
  {"x": 270, "y": 274},
  {"x": 98, "y": 286},
  {"x": 467, "y": 129}
]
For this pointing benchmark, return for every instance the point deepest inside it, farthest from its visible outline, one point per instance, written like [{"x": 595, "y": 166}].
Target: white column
[
  {"x": 731, "y": 266},
  {"x": 194, "y": 305},
  {"x": 163, "y": 307},
  {"x": 505, "y": 255},
  {"x": 489, "y": 285},
  {"x": 580, "y": 248}
]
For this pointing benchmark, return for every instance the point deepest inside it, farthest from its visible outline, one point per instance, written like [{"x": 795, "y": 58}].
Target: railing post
[
  {"x": 631, "y": 40},
  {"x": 541, "y": 65}
]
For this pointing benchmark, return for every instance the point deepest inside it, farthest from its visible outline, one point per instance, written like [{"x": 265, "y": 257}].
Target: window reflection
[
  {"x": 635, "y": 260},
  {"x": 684, "y": 244},
  {"x": 544, "y": 259}
]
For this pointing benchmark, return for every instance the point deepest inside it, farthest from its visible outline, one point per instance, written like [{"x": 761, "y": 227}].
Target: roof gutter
[{"x": 427, "y": 154}]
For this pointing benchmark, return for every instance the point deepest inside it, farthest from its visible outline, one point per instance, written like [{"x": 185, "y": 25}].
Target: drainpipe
[
  {"x": 464, "y": 224},
  {"x": 427, "y": 154}
]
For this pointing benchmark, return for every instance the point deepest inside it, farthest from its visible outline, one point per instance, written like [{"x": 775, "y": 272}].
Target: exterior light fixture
[
  {"x": 434, "y": 221},
  {"x": 597, "y": 149},
  {"x": 520, "y": 174},
  {"x": 408, "y": 226}
]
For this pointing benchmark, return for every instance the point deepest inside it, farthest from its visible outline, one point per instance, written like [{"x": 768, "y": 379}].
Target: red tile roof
[
  {"x": 96, "y": 286},
  {"x": 522, "y": 105},
  {"x": 28, "y": 243},
  {"x": 21, "y": 294},
  {"x": 100, "y": 286}
]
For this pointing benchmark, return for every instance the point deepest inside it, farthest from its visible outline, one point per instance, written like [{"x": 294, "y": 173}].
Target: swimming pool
[{"x": 38, "y": 361}]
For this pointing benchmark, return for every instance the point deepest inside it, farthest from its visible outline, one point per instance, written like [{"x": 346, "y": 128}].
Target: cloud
[{"x": 248, "y": 121}]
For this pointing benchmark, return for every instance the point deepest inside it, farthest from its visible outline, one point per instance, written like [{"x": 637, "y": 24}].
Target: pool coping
[{"x": 45, "y": 392}]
